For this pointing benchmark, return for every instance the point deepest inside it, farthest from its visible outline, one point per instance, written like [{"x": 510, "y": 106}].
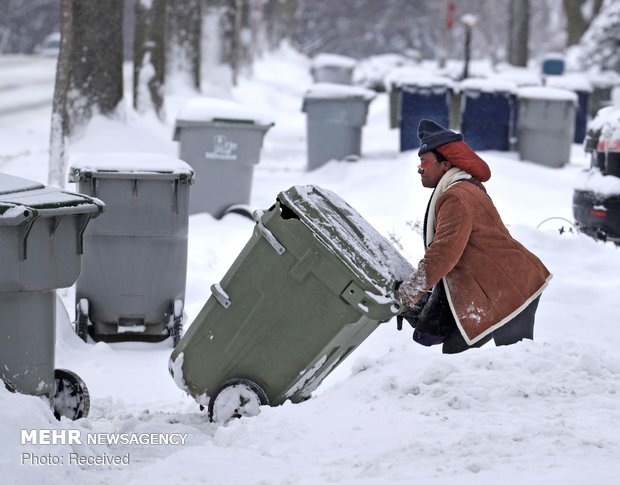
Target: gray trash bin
[
  {"x": 132, "y": 285},
  {"x": 41, "y": 246},
  {"x": 546, "y": 125},
  {"x": 335, "y": 115},
  {"x": 332, "y": 68},
  {"x": 581, "y": 86},
  {"x": 221, "y": 140}
]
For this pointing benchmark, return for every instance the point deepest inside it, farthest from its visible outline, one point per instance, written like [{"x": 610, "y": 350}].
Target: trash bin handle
[
  {"x": 375, "y": 306},
  {"x": 220, "y": 295},
  {"x": 266, "y": 233}
]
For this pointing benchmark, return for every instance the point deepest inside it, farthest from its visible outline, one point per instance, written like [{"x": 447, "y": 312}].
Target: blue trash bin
[
  {"x": 488, "y": 113},
  {"x": 581, "y": 86},
  {"x": 426, "y": 98}
]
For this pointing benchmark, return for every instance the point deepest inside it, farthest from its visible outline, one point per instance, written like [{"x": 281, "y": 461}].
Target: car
[
  {"x": 596, "y": 199},
  {"x": 50, "y": 46}
]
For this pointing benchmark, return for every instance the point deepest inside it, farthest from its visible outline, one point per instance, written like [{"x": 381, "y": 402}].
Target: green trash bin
[{"x": 314, "y": 281}]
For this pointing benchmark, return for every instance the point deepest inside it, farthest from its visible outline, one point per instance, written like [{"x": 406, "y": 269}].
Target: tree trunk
[
  {"x": 577, "y": 22},
  {"x": 518, "y": 32},
  {"x": 60, "y": 122},
  {"x": 184, "y": 36},
  {"x": 149, "y": 56},
  {"x": 96, "y": 81}
]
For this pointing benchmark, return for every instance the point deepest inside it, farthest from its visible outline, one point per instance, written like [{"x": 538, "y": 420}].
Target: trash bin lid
[
  {"x": 325, "y": 59},
  {"x": 215, "y": 110},
  {"x": 414, "y": 76},
  {"x": 130, "y": 165},
  {"x": 547, "y": 94},
  {"x": 486, "y": 85},
  {"x": 22, "y": 199},
  {"x": 347, "y": 234},
  {"x": 577, "y": 83},
  {"x": 322, "y": 91}
]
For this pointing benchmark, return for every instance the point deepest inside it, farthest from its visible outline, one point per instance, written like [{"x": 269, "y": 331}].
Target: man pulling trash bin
[{"x": 475, "y": 281}]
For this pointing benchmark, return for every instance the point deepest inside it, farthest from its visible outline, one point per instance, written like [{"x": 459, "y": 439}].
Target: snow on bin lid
[
  {"x": 24, "y": 194},
  {"x": 346, "y": 233},
  {"x": 132, "y": 163},
  {"x": 10, "y": 184},
  {"x": 572, "y": 82},
  {"x": 547, "y": 93},
  {"x": 412, "y": 76},
  {"x": 211, "y": 110},
  {"x": 338, "y": 91},
  {"x": 487, "y": 85},
  {"x": 520, "y": 76},
  {"x": 325, "y": 59}
]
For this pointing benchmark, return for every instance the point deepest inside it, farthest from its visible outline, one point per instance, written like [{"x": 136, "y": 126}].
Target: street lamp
[{"x": 469, "y": 21}]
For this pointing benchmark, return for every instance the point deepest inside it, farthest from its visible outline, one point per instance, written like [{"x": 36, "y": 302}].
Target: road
[{"x": 26, "y": 83}]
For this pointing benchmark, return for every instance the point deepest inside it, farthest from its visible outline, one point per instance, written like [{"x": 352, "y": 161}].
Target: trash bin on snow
[
  {"x": 221, "y": 140},
  {"x": 332, "y": 68},
  {"x": 427, "y": 97},
  {"x": 335, "y": 115},
  {"x": 41, "y": 247},
  {"x": 314, "y": 280},
  {"x": 546, "y": 125},
  {"x": 132, "y": 285},
  {"x": 581, "y": 86},
  {"x": 488, "y": 113}
]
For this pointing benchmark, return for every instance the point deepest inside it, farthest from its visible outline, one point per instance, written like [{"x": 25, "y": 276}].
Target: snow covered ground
[{"x": 542, "y": 412}]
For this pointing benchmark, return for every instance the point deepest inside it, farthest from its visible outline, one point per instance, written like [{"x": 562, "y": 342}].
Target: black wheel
[
  {"x": 176, "y": 328},
  {"x": 82, "y": 321},
  {"x": 71, "y": 398},
  {"x": 240, "y": 209},
  {"x": 236, "y": 398}
]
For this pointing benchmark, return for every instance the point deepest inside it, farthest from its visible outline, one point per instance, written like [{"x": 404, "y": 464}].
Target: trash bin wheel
[
  {"x": 8, "y": 385},
  {"x": 71, "y": 398},
  {"x": 176, "y": 328},
  {"x": 236, "y": 398},
  {"x": 82, "y": 320},
  {"x": 240, "y": 209}
]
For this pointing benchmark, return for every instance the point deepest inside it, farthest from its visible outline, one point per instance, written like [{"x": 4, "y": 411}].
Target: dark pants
[{"x": 520, "y": 327}]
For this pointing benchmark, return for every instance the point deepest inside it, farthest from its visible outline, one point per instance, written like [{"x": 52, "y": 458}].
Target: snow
[
  {"x": 129, "y": 162},
  {"x": 488, "y": 85},
  {"x": 325, "y": 90},
  {"x": 325, "y": 59},
  {"x": 547, "y": 93},
  {"x": 541, "y": 412},
  {"x": 209, "y": 110}
]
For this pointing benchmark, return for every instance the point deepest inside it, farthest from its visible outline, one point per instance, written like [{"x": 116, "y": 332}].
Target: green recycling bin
[{"x": 314, "y": 281}]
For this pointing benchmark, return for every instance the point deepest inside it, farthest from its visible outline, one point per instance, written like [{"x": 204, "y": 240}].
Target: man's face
[{"x": 431, "y": 170}]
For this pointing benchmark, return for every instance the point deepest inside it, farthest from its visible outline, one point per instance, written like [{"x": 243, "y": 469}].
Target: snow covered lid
[
  {"x": 143, "y": 164},
  {"x": 414, "y": 76},
  {"x": 488, "y": 85},
  {"x": 598, "y": 183},
  {"x": 325, "y": 59},
  {"x": 10, "y": 184},
  {"x": 338, "y": 91},
  {"x": 346, "y": 233},
  {"x": 213, "y": 110},
  {"x": 573, "y": 82},
  {"x": 21, "y": 199},
  {"x": 547, "y": 93},
  {"x": 520, "y": 76}
]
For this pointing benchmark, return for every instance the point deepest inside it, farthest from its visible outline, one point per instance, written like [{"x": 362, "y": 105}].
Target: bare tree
[
  {"x": 518, "y": 32},
  {"x": 231, "y": 29},
  {"x": 149, "y": 56},
  {"x": 577, "y": 20},
  {"x": 184, "y": 29},
  {"x": 60, "y": 118}
]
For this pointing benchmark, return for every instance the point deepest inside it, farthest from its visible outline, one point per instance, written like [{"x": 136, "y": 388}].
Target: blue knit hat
[{"x": 433, "y": 136}]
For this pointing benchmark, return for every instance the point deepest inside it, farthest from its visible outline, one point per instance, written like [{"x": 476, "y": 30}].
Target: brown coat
[{"x": 490, "y": 277}]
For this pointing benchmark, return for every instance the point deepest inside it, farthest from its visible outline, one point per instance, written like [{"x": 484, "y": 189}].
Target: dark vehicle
[{"x": 596, "y": 204}]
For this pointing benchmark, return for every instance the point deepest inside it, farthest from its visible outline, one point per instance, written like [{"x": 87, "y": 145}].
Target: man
[{"x": 475, "y": 281}]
